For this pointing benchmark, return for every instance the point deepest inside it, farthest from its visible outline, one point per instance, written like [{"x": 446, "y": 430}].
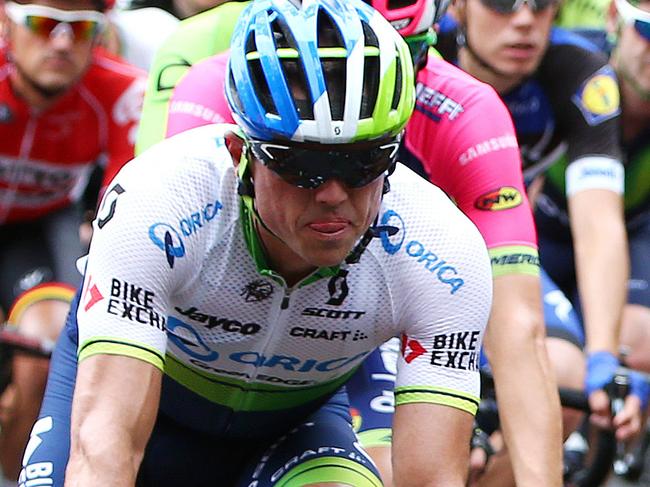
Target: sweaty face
[
  {"x": 633, "y": 54},
  {"x": 512, "y": 43},
  {"x": 316, "y": 227},
  {"x": 49, "y": 65}
]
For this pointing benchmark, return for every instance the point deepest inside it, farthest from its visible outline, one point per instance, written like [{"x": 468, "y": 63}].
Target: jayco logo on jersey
[
  {"x": 211, "y": 321},
  {"x": 446, "y": 273},
  {"x": 169, "y": 239}
]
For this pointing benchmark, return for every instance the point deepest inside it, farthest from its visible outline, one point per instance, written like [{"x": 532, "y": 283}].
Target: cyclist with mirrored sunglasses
[
  {"x": 65, "y": 106},
  {"x": 246, "y": 271},
  {"x": 446, "y": 142}
]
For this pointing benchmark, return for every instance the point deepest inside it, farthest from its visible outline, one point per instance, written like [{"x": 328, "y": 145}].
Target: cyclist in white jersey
[{"x": 238, "y": 275}]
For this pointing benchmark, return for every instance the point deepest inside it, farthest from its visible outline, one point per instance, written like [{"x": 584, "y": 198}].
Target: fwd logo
[{"x": 411, "y": 349}]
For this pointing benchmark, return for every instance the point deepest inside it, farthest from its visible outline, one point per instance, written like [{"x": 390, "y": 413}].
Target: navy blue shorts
[{"x": 320, "y": 448}]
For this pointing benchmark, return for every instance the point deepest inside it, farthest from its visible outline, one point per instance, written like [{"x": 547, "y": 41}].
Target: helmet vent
[
  {"x": 334, "y": 67},
  {"x": 369, "y": 37},
  {"x": 282, "y": 35},
  {"x": 398, "y": 83},
  {"x": 328, "y": 34},
  {"x": 258, "y": 78},
  {"x": 395, "y": 4},
  {"x": 370, "y": 86}
]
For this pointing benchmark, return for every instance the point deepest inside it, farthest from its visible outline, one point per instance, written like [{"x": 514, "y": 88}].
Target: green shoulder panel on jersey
[
  {"x": 196, "y": 38},
  {"x": 329, "y": 469},
  {"x": 515, "y": 259},
  {"x": 113, "y": 346},
  {"x": 436, "y": 395},
  {"x": 244, "y": 395}
]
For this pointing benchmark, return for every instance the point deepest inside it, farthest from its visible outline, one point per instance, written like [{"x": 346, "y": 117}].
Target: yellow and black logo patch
[
  {"x": 598, "y": 98},
  {"x": 501, "y": 199}
]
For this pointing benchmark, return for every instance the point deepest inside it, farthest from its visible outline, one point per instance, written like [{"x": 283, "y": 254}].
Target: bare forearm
[
  {"x": 525, "y": 382},
  {"x": 103, "y": 456},
  {"x": 534, "y": 441},
  {"x": 430, "y": 446},
  {"x": 602, "y": 270},
  {"x": 113, "y": 412}
]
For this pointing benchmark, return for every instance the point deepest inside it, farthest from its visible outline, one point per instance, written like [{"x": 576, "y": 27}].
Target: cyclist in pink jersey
[{"x": 463, "y": 136}]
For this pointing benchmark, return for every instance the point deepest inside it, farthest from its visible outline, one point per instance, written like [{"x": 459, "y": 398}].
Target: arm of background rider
[
  {"x": 199, "y": 98},
  {"x": 587, "y": 101},
  {"x": 196, "y": 38}
]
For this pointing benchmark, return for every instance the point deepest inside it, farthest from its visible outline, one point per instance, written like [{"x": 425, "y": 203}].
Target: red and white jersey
[{"x": 47, "y": 156}]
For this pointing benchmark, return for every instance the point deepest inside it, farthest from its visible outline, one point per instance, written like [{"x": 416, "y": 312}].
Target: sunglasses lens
[
  {"x": 84, "y": 29},
  {"x": 500, "y": 6},
  {"x": 40, "y": 25},
  {"x": 643, "y": 28},
  {"x": 309, "y": 169},
  {"x": 510, "y": 6}
]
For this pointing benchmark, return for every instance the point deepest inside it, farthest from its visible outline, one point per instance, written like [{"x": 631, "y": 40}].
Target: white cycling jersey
[{"x": 176, "y": 277}]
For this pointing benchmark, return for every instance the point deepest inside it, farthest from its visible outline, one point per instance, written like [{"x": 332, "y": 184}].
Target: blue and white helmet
[{"x": 326, "y": 71}]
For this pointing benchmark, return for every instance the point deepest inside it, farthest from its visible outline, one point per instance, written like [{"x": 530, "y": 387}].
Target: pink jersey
[
  {"x": 460, "y": 137},
  {"x": 199, "y": 97}
]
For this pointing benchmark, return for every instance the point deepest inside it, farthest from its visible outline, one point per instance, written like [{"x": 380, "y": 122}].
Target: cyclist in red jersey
[
  {"x": 65, "y": 106},
  {"x": 475, "y": 159}
]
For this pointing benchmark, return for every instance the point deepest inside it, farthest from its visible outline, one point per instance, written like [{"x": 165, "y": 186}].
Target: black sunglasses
[
  {"x": 309, "y": 166},
  {"x": 511, "y": 6}
]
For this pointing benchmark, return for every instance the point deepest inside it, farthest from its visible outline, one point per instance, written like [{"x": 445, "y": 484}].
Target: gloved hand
[{"x": 601, "y": 368}]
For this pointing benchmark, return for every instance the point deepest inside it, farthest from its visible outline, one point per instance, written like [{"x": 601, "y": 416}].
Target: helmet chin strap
[{"x": 463, "y": 41}]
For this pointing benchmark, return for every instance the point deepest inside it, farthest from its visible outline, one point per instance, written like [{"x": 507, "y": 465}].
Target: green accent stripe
[
  {"x": 329, "y": 469},
  {"x": 376, "y": 437},
  {"x": 112, "y": 346},
  {"x": 437, "y": 395},
  {"x": 246, "y": 396},
  {"x": 323, "y": 52},
  {"x": 515, "y": 259}
]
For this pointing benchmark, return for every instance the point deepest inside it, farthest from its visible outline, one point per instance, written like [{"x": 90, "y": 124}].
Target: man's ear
[
  {"x": 611, "y": 19},
  {"x": 458, "y": 10},
  {"x": 235, "y": 145}
]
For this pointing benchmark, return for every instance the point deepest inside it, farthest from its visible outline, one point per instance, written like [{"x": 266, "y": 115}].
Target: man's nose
[
  {"x": 62, "y": 36},
  {"x": 332, "y": 192}
]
